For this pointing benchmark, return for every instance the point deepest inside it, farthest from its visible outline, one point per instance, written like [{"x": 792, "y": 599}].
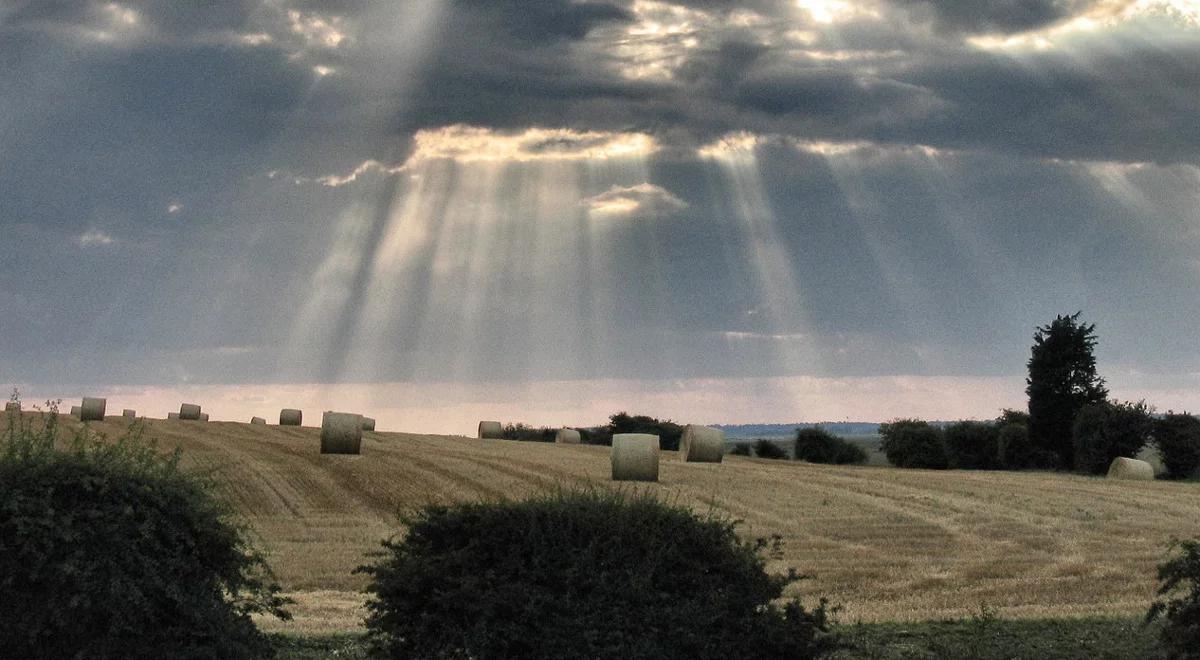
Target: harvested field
[{"x": 887, "y": 544}]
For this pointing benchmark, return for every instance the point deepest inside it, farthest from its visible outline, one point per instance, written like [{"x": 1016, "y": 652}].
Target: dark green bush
[
  {"x": 768, "y": 449},
  {"x": 528, "y": 433},
  {"x": 582, "y": 575},
  {"x": 741, "y": 449},
  {"x": 816, "y": 445},
  {"x": 668, "y": 432},
  {"x": 108, "y": 550},
  {"x": 1104, "y": 431},
  {"x": 912, "y": 443},
  {"x": 1013, "y": 447},
  {"x": 1178, "y": 440},
  {"x": 972, "y": 445},
  {"x": 1179, "y": 602}
]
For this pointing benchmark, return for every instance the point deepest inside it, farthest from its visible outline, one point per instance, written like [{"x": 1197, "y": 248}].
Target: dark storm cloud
[
  {"x": 990, "y": 16},
  {"x": 221, "y": 111}
]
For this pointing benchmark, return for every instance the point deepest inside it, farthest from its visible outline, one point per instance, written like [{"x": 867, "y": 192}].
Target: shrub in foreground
[
  {"x": 912, "y": 443},
  {"x": 1104, "y": 431},
  {"x": 972, "y": 445},
  {"x": 582, "y": 575},
  {"x": 816, "y": 445},
  {"x": 1179, "y": 604},
  {"x": 764, "y": 448},
  {"x": 108, "y": 550},
  {"x": 1178, "y": 440}
]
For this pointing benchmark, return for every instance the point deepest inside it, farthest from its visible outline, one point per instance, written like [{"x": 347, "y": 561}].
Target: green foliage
[
  {"x": 912, "y": 443},
  {"x": 1062, "y": 380},
  {"x": 528, "y": 433},
  {"x": 972, "y": 445},
  {"x": 582, "y": 575},
  {"x": 1105, "y": 431},
  {"x": 741, "y": 449},
  {"x": 1012, "y": 416},
  {"x": 668, "y": 432},
  {"x": 109, "y": 550},
  {"x": 816, "y": 445},
  {"x": 1178, "y": 439},
  {"x": 768, "y": 449},
  {"x": 1179, "y": 601},
  {"x": 1016, "y": 452}
]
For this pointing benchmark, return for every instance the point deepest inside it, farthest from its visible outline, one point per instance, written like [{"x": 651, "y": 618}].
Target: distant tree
[
  {"x": 1178, "y": 440},
  {"x": 1062, "y": 380},
  {"x": 972, "y": 445},
  {"x": 913, "y": 443},
  {"x": 668, "y": 432},
  {"x": 1104, "y": 431},
  {"x": 764, "y": 448},
  {"x": 816, "y": 445}
]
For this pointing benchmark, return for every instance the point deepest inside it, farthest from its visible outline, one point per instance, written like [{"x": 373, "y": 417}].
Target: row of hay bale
[{"x": 635, "y": 456}]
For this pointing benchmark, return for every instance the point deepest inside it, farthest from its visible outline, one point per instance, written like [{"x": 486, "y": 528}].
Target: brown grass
[{"x": 887, "y": 544}]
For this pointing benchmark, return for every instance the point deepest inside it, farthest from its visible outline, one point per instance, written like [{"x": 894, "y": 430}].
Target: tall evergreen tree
[{"x": 1062, "y": 380}]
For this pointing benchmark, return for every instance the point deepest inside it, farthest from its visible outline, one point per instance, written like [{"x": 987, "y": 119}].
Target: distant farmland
[{"x": 886, "y": 544}]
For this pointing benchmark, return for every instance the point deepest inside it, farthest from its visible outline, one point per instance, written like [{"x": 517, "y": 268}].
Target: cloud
[
  {"x": 644, "y": 200},
  {"x": 94, "y": 238}
]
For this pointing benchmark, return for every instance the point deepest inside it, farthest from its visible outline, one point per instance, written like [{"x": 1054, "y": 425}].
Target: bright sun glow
[{"x": 468, "y": 144}]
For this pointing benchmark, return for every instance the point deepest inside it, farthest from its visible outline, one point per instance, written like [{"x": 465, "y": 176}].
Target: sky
[{"x": 440, "y": 211}]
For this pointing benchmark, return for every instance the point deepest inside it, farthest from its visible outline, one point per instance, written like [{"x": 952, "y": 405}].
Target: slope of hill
[{"x": 887, "y": 544}]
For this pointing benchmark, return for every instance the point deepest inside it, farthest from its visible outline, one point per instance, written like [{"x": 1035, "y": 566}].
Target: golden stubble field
[{"x": 886, "y": 544}]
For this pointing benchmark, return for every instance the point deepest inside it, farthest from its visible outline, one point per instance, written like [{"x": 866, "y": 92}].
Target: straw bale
[
  {"x": 290, "y": 417},
  {"x": 702, "y": 444},
  {"x": 92, "y": 409},
  {"x": 491, "y": 430},
  {"x": 1130, "y": 468},
  {"x": 189, "y": 411},
  {"x": 341, "y": 433},
  {"x": 567, "y": 437},
  {"x": 635, "y": 457}
]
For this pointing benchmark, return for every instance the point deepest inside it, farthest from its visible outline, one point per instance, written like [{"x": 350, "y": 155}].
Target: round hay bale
[
  {"x": 1130, "y": 468},
  {"x": 13, "y": 405},
  {"x": 491, "y": 430},
  {"x": 290, "y": 417},
  {"x": 172, "y": 415},
  {"x": 92, "y": 409},
  {"x": 567, "y": 437},
  {"x": 129, "y": 412},
  {"x": 204, "y": 417},
  {"x": 702, "y": 444},
  {"x": 341, "y": 433},
  {"x": 635, "y": 457},
  {"x": 189, "y": 411},
  {"x": 75, "y": 410},
  {"x": 368, "y": 423},
  {"x": 257, "y": 420}
]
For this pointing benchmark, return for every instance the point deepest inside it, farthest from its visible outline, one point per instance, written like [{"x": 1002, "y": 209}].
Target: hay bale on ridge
[
  {"x": 491, "y": 430},
  {"x": 368, "y": 423},
  {"x": 635, "y": 457},
  {"x": 702, "y": 444},
  {"x": 14, "y": 406},
  {"x": 1130, "y": 468},
  {"x": 189, "y": 411},
  {"x": 257, "y": 420},
  {"x": 75, "y": 410},
  {"x": 204, "y": 417},
  {"x": 129, "y": 412},
  {"x": 341, "y": 433},
  {"x": 92, "y": 409},
  {"x": 566, "y": 436},
  {"x": 173, "y": 416},
  {"x": 290, "y": 417}
]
